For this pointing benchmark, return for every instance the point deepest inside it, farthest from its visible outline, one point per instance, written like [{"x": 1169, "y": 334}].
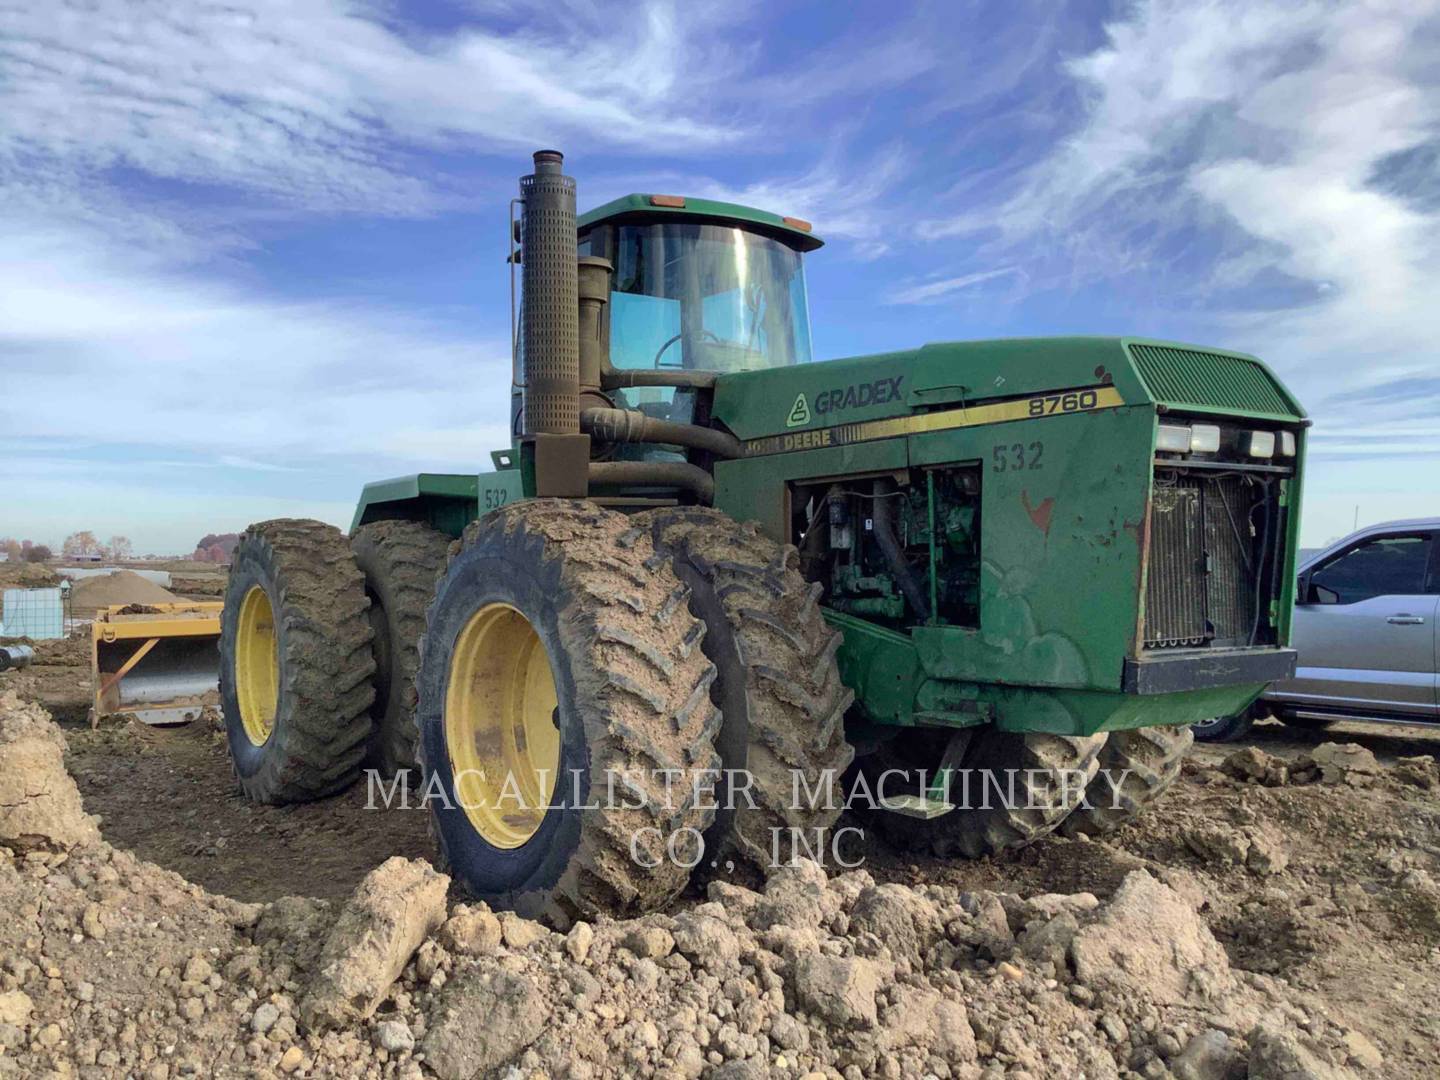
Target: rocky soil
[{"x": 1278, "y": 916}]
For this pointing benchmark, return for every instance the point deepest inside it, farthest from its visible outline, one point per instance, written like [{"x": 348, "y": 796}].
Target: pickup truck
[{"x": 1366, "y": 612}]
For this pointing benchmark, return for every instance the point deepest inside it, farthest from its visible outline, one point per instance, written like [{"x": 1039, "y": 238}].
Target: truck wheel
[
  {"x": 561, "y": 674},
  {"x": 1136, "y": 768},
  {"x": 400, "y": 561},
  {"x": 778, "y": 686},
  {"x": 295, "y": 662},
  {"x": 1224, "y": 728},
  {"x": 1049, "y": 774}
]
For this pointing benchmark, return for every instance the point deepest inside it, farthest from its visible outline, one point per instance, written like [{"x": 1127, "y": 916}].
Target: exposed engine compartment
[{"x": 897, "y": 550}]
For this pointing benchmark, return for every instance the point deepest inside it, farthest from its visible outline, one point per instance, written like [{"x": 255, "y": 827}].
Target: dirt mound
[
  {"x": 211, "y": 585},
  {"x": 23, "y": 575},
  {"x": 58, "y": 679},
  {"x": 1243, "y": 927},
  {"x": 72, "y": 651},
  {"x": 121, "y": 587},
  {"x": 140, "y": 968},
  {"x": 39, "y": 804}
]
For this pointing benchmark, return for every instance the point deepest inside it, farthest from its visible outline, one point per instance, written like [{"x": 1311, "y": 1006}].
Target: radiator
[{"x": 1200, "y": 587}]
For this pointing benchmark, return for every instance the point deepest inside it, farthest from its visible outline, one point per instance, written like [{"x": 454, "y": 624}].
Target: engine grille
[
  {"x": 1191, "y": 377},
  {"x": 1200, "y": 587}
]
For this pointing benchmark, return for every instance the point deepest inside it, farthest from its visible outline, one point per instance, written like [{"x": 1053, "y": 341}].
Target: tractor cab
[{"x": 699, "y": 286}]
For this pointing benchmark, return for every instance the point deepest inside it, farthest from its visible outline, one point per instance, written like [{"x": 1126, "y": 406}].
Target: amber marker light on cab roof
[
  {"x": 797, "y": 223},
  {"x": 677, "y": 201}
]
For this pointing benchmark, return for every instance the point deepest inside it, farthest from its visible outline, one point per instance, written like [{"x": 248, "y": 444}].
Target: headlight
[
  {"x": 1287, "y": 444},
  {"x": 1260, "y": 444},
  {"x": 1205, "y": 439},
  {"x": 1174, "y": 438}
]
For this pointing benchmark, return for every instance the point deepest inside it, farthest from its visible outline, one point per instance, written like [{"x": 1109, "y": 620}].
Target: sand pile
[{"x": 121, "y": 587}]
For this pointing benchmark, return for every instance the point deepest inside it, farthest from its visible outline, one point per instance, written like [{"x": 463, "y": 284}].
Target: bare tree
[
  {"x": 80, "y": 544},
  {"x": 120, "y": 547}
]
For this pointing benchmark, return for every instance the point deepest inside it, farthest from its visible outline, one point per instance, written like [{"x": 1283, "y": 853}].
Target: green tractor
[{"x": 708, "y": 573}]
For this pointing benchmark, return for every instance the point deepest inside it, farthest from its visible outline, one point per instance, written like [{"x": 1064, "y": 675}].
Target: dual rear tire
[{"x": 565, "y": 715}]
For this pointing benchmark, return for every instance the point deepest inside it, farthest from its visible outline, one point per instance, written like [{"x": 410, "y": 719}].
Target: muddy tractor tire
[
  {"x": 1050, "y": 774},
  {"x": 295, "y": 662},
  {"x": 401, "y": 561},
  {"x": 561, "y": 676},
  {"x": 1136, "y": 768},
  {"x": 778, "y": 686}
]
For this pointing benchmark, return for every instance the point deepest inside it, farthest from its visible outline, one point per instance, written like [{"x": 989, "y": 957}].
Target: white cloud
[
  {"x": 1266, "y": 122},
  {"x": 1246, "y": 137},
  {"x": 935, "y": 291},
  {"x": 96, "y": 341},
  {"x": 306, "y": 102}
]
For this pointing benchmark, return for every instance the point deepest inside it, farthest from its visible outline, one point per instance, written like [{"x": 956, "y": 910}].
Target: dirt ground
[
  {"x": 168, "y": 795},
  {"x": 1328, "y": 886}
]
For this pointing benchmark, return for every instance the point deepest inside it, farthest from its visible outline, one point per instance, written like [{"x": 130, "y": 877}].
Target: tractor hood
[{"x": 811, "y": 397}]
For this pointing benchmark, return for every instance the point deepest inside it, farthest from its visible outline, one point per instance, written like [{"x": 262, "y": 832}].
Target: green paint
[
  {"x": 880, "y": 666},
  {"x": 1062, "y": 572},
  {"x": 447, "y": 501}
]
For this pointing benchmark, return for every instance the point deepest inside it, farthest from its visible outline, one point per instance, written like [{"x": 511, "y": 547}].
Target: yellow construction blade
[{"x": 159, "y": 662}]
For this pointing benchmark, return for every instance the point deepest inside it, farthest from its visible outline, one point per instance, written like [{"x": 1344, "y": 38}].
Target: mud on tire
[
  {"x": 322, "y": 644},
  {"x": 400, "y": 561},
  {"x": 633, "y": 691},
  {"x": 1136, "y": 768},
  {"x": 778, "y": 686}
]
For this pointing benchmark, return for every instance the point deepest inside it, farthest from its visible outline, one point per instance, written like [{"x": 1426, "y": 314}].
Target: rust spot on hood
[{"x": 1040, "y": 515}]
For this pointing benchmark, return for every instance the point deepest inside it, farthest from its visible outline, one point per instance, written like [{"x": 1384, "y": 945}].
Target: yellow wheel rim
[
  {"x": 257, "y": 666},
  {"x": 500, "y": 728}
]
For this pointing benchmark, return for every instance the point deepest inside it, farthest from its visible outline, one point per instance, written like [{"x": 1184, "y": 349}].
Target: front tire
[
  {"x": 559, "y": 642},
  {"x": 295, "y": 662},
  {"x": 1136, "y": 768}
]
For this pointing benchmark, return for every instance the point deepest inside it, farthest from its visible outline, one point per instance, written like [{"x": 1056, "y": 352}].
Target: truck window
[{"x": 1384, "y": 566}]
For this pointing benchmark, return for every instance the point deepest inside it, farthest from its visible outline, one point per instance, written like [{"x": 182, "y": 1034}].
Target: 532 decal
[{"x": 1015, "y": 457}]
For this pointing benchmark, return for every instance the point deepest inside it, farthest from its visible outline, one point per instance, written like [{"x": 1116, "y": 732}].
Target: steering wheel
[{"x": 704, "y": 335}]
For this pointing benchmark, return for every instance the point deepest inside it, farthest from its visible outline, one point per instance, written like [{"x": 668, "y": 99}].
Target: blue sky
[{"x": 251, "y": 253}]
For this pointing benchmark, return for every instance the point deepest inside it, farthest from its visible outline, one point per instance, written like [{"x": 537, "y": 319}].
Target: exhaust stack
[{"x": 549, "y": 335}]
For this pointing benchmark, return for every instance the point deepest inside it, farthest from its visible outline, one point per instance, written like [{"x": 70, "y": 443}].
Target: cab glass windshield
[{"x": 706, "y": 297}]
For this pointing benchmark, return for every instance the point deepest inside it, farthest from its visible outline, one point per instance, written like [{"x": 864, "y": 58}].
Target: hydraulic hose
[
  {"x": 632, "y": 426},
  {"x": 676, "y": 474},
  {"x": 883, "y": 527}
]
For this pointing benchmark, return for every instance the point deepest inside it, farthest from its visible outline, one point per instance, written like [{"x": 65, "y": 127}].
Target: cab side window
[{"x": 1384, "y": 566}]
